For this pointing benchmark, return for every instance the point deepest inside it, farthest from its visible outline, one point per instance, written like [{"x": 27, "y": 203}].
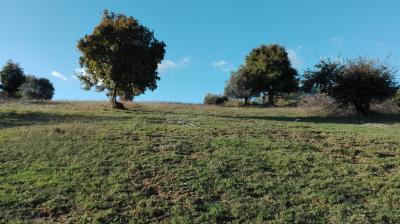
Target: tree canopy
[
  {"x": 272, "y": 71},
  {"x": 240, "y": 85},
  {"x": 12, "y": 76},
  {"x": 120, "y": 55}
]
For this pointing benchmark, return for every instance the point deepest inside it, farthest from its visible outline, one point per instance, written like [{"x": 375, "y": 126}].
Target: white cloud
[
  {"x": 171, "y": 65},
  {"x": 381, "y": 44},
  {"x": 59, "y": 75},
  {"x": 295, "y": 59},
  {"x": 223, "y": 65},
  {"x": 336, "y": 41}
]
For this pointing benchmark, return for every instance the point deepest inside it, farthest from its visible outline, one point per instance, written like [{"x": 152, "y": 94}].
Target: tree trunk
[
  {"x": 362, "y": 108},
  {"x": 263, "y": 97},
  {"x": 246, "y": 101},
  {"x": 271, "y": 98},
  {"x": 366, "y": 109},
  {"x": 114, "y": 97},
  {"x": 115, "y": 104}
]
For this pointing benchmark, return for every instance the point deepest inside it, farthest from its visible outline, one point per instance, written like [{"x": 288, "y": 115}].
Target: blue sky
[{"x": 206, "y": 39}]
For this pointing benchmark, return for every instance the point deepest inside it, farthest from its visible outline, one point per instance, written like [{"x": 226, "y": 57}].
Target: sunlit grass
[{"x": 78, "y": 162}]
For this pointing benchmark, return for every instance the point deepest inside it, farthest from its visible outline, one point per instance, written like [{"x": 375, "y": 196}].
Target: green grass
[{"x": 74, "y": 162}]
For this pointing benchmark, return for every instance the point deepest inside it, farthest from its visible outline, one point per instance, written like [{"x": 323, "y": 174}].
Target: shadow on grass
[
  {"x": 376, "y": 118},
  {"x": 13, "y": 119},
  {"x": 382, "y": 118}
]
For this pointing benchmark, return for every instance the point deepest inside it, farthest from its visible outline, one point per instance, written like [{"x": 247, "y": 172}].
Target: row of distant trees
[
  {"x": 268, "y": 72},
  {"x": 16, "y": 84},
  {"x": 121, "y": 56}
]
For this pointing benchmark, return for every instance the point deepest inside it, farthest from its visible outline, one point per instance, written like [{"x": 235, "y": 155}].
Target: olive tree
[{"x": 120, "y": 55}]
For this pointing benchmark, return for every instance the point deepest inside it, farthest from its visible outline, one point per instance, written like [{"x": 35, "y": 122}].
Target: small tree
[
  {"x": 355, "y": 82},
  {"x": 12, "y": 76},
  {"x": 271, "y": 67},
  {"x": 120, "y": 56},
  {"x": 212, "y": 99},
  {"x": 240, "y": 85},
  {"x": 35, "y": 88}
]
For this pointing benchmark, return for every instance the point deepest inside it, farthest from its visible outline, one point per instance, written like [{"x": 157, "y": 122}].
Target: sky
[{"x": 206, "y": 40}]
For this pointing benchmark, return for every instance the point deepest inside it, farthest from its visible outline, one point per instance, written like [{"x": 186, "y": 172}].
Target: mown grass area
[{"x": 74, "y": 162}]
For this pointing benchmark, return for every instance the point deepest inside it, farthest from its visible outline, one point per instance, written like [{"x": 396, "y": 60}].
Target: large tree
[
  {"x": 240, "y": 85},
  {"x": 12, "y": 76},
  {"x": 356, "y": 82},
  {"x": 271, "y": 67},
  {"x": 120, "y": 55}
]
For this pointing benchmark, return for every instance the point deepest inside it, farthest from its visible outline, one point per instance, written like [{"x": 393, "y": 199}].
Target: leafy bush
[
  {"x": 35, "y": 88},
  {"x": 212, "y": 99},
  {"x": 319, "y": 99}
]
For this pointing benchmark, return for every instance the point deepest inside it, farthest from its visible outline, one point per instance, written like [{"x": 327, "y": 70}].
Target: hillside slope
[{"x": 73, "y": 162}]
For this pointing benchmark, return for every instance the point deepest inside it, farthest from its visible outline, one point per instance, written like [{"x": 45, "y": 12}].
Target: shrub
[
  {"x": 212, "y": 99},
  {"x": 317, "y": 100},
  {"x": 35, "y": 88}
]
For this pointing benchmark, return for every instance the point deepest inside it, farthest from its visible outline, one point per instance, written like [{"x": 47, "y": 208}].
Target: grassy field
[{"x": 70, "y": 162}]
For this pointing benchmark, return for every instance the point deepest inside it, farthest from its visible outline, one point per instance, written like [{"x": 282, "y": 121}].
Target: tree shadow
[
  {"x": 376, "y": 118},
  {"x": 13, "y": 119}
]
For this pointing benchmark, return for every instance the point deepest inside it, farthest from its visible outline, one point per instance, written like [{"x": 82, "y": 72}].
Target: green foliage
[
  {"x": 64, "y": 162},
  {"x": 323, "y": 78},
  {"x": 35, "y": 88},
  {"x": 240, "y": 85},
  {"x": 212, "y": 99},
  {"x": 355, "y": 82},
  {"x": 120, "y": 55},
  {"x": 11, "y": 76},
  {"x": 271, "y": 70}
]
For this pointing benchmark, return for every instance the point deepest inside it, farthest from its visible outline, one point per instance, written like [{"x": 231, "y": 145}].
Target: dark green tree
[
  {"x": 12, "y": 76},
  {"x": 356, "y": 82},
  {"x": 323, "y": 78},
  {"x": 120, "y": 55},
  {"x": 271, "y": 70},
  {"x": 240, "y": 85},
  {"x": 212, "y": 99},
  {"x": 35, "y": 88}
]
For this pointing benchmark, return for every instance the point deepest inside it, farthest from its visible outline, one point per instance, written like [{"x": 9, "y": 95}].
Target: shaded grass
[{"x": 82, "y": 163}]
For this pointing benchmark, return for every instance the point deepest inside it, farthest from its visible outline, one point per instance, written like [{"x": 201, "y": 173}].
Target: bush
[
  {"x": 317, "y": 100},
  {"x": 212, "y": 99},
  {"x": 35, "y": 88}
]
